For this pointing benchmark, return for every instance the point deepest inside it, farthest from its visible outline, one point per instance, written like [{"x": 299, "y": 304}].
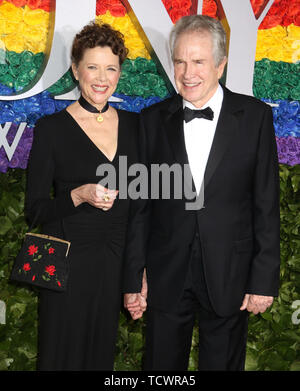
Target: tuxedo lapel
[
  {"x": 173, "y": 122},
  {"x": 226, "y": 129}
]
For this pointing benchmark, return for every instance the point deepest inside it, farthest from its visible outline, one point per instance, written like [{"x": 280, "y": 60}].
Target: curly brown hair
[{"x": 95, "y": 34}]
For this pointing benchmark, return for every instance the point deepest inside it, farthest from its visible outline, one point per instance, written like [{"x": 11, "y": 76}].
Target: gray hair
[{"x": 201, "y": 23}]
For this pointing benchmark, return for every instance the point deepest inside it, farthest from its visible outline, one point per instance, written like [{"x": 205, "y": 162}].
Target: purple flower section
[
  {"x": 286, "y": 122},
  {"x": 21, "y": 154},
  {"x": 288, "y": 150}
]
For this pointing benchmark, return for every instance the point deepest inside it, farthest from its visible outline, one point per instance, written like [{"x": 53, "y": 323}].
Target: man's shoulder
[
  {"x": 246, "y": 102},
  {"x": 128, "y": 116},
  {"x": 163, "y": 105}
]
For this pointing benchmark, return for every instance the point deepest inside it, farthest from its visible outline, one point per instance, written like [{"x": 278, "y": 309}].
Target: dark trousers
[{"x": 222, "y": 341}]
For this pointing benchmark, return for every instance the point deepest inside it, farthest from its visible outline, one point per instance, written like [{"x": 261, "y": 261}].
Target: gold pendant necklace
[
  {"x": 92, "y": 109},
  {"x": 100, "y": 118}
]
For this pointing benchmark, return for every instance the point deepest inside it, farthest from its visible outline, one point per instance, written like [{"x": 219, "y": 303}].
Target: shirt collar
[{"x": 215, "y": 102}]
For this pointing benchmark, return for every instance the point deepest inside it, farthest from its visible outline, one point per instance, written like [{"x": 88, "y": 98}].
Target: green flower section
[
  {"x": 276, "y": 80},
  {"x": 274, "y": 337},
  {"x": 63, "y": 85},
  {"x": 140, "y": 77},
  {"x": 17, "y": 70}
]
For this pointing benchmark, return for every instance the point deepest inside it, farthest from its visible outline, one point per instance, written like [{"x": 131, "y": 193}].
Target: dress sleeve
[
  {"x": 137, "y": 230},
  {"x": 264, "y": 274},
  {"x": 40, "y": 207}
]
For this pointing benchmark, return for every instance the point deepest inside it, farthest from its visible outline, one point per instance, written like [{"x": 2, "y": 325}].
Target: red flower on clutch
[
  {"x": 32, "y": 249},
  {"x": 50, "y": 269},
  {"x": 26, "y": 267},
  {"x": 51, "y": 250}
]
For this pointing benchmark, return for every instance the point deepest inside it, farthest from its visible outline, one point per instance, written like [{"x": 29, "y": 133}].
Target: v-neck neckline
[{"x": 92, "y": 142}]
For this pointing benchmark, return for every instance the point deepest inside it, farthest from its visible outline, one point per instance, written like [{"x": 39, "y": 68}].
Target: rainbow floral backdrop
[{"x": 23, "y": 35}]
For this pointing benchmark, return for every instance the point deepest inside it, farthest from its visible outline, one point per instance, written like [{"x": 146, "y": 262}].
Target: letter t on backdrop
[{"x": 154, "y": 25}]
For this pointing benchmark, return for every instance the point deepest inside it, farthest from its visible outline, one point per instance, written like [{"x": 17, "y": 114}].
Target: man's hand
[
  {"x": 136, "y": 302},
  {"x": 256, "y": 303},
  {"x": 132, "y": 303}
]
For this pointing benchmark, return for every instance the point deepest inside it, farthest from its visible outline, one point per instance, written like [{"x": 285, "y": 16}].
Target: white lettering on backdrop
[{"x": 154, "y": 24}]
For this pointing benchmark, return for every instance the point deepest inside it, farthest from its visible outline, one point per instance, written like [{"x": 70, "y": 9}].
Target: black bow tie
[{"x": 190, "y": 114}]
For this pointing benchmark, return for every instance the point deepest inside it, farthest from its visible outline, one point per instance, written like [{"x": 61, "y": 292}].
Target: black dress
[{"x": 78, "y": 328}]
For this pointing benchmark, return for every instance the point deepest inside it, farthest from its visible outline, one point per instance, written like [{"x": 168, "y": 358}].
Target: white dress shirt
[{"x": 199, "y": 134}]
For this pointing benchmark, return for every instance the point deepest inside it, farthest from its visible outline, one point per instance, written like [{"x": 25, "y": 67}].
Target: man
[{"x": 221, "y": 261}]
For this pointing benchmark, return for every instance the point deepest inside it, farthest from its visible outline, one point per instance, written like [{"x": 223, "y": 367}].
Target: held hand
[
  {"x": 256, "y": 303},
  {"x": 142, "y": 299},
  {"x": 144, "y": 290},
  {"x": 143, "y": 305},
  {"x": 136, "y": 302},
  {"x": 137, "y": 313},
  {"x": 132, "y": 301},
  {"x": 95, "y": 195}
]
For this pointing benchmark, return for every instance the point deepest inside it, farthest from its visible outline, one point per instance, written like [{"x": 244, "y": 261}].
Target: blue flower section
[
  {"x": 134, "y": 103},
  {"x": 30, "y": 109},
  {"x": 286, "y": 117},
  {"x": 286, "y": 122},
  {"x": 286, "y": 114}
]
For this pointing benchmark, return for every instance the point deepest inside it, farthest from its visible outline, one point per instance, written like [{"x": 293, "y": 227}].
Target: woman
[{"x": 78, "y": 328}]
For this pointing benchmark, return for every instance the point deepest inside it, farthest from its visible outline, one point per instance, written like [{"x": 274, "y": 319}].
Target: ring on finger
[{"x": 105, "y": 197}]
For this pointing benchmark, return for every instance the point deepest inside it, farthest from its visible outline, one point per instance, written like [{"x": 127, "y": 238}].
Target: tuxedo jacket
[{"x": 239, "y": 224}]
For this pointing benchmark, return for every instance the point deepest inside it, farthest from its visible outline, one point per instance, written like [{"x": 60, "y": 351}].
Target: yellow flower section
[
  {"x": 26, "y": 29},
  {"x": 279, "y": 44},
  {"x": 10, "y": 12},
  {"x": 23, "y": 28},
  {"x": 132, "y": 39}
]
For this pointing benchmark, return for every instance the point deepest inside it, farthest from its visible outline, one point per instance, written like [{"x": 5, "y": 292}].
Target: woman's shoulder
[
  {"x": 51, "y": 123},
  {"x": 128, "y": 115},
  {"x": 52, "y": 118}
]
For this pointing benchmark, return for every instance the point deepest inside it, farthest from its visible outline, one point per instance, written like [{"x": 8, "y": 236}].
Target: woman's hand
[{"x": 95, "y": 195}]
